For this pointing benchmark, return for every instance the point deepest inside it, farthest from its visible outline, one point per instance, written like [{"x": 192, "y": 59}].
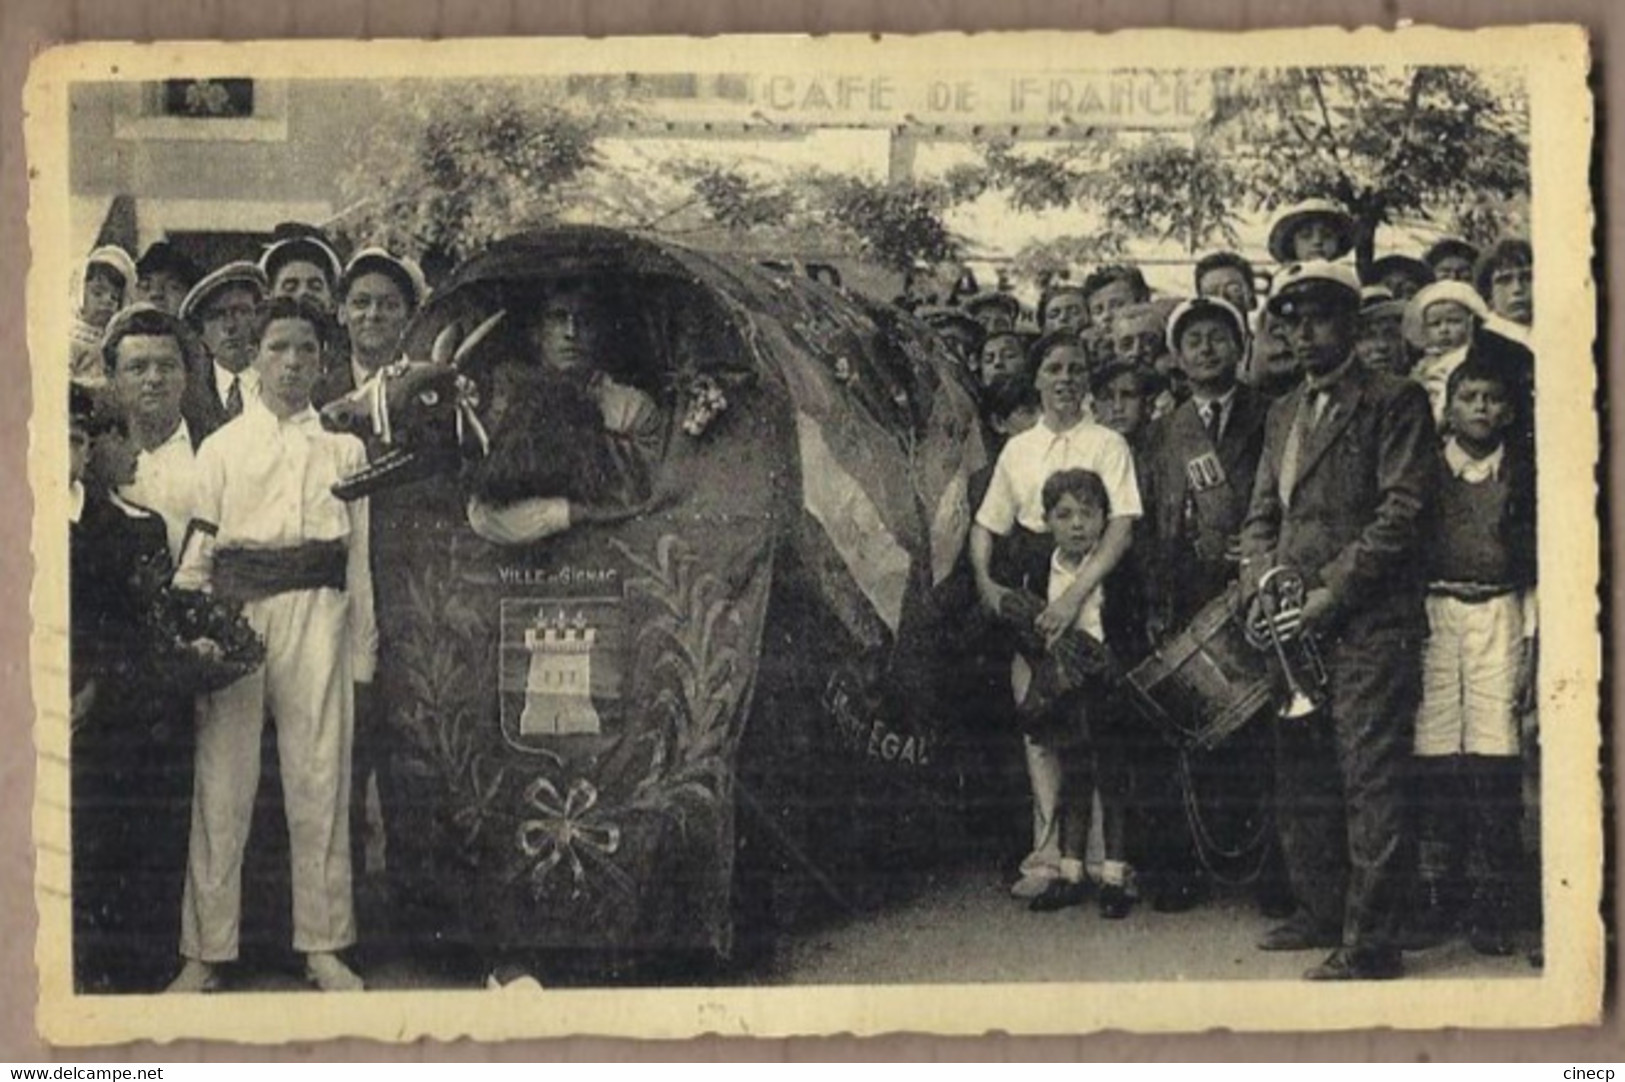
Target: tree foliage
[
  {"x": 1389, "y": 144},
  {"x": 460, "y": 164},
  {"x": 1386, "y": 143},
  {"x": 891, "y": 224}
]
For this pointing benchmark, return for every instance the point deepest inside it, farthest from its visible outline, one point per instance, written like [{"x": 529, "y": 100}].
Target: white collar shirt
[
  {"x": 166, "y": 482},
  {"x": 1015, "y": 492},
  {"x": 1089, "y": 616},
  {"x": 1472, "y": 470},
  {"x": 76, "y": 501}
]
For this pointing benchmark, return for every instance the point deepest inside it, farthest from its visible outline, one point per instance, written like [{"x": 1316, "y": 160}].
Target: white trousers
[
  {"x": 305, "y": 683},
  {"x": 1044, "y": 774},
  {"x": 1470, "y": 677}
]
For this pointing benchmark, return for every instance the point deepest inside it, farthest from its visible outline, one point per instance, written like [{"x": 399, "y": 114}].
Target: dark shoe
[
  {"x": 1348, "y": 965},
  {"x": 1115, "y": 902},
  {"x": 1301, "y": 933},
  {"x": 1060, "y": 894},
  {"x": 1180, "y": 895}
]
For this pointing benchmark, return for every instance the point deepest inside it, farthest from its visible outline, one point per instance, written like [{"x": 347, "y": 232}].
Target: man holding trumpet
[{"x": 1348, "y": 469}]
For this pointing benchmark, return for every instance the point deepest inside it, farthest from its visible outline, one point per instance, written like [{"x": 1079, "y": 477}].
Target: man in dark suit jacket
[
  {"x": 1201, "y": 462},
  {"x": 1349, "y": 468},
  {"x": 1196, "y": 481},
  {"x": 223, "y": 309}
]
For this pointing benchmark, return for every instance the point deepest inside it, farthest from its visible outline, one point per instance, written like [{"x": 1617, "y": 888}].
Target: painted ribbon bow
[{"x": 566, "y": 823}]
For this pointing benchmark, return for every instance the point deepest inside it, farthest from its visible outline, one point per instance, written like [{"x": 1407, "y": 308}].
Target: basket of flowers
[
  {"x": 189, "y": 642},
  {"x": 200, "y": 643}
]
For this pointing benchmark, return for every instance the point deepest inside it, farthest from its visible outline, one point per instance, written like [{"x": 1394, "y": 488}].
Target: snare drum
[{"x": 1203, "y": 684}]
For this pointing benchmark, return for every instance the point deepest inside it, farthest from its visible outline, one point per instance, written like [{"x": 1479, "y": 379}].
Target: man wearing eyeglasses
[{"x": 222, "y": 309}]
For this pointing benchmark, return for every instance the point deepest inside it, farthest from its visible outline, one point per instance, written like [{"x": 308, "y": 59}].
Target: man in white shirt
[
  {"x": 296, "y": 556},
  {"x": 223, "y": 309},
  {"x": 146, "y": 371}
]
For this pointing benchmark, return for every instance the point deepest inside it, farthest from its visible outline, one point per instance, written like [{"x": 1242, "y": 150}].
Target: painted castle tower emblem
[{"x": 558, "y": 682}]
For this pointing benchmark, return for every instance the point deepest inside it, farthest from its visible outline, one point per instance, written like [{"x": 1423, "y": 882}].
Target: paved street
[{"x": 960, "y": 925}]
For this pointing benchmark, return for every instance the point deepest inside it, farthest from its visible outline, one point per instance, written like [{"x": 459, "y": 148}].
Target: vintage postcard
[{"x": 772, "y": 536}]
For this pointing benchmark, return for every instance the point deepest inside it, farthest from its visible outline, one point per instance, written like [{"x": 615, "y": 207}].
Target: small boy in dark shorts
[{"x": 1062, "y": 691}]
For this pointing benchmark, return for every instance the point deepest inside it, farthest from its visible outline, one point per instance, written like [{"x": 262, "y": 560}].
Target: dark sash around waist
[
  {"x": 1472, "y": 593},
  {"x": 251, "y": 574}
]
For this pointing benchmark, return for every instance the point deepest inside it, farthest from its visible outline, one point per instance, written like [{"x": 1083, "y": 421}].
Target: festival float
[{"x": 749, "y": 663}]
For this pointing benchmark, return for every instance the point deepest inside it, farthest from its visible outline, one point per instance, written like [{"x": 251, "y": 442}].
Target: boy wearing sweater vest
[{"x": 1478, "y": 666}]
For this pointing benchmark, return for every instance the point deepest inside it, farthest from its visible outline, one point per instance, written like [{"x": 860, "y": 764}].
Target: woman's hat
[
  {"x": 1287, "y": 222},
  {"x": 1457, "y": 292}
]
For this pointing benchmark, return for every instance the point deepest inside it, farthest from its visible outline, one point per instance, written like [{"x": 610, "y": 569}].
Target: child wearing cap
[
  {"x": 1441, "y": 321},
  {"x": 105, "y": 286},
  {"x": 1478, "y": 664}
]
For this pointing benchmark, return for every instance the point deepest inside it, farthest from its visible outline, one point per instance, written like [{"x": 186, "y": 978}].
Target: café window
[
  {"x": 205, "y": 98},
  {"x": 224, "y": 108}
]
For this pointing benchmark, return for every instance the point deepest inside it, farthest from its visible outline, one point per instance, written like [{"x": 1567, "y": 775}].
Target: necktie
[
  {"x": 1302, "y": 424},
  {"x": 234, "y": 397},
  {"x": 1213, "y": 420}
]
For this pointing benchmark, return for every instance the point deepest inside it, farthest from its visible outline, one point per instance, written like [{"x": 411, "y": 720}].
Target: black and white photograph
[{"x": 1027, "y": 531}]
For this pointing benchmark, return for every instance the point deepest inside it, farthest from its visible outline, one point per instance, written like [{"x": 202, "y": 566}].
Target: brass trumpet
[{"x": 1281, "y": 592}]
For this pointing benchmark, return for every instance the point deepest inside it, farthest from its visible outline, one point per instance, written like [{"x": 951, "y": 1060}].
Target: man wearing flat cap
[
  {"x": 1347, "y": 473},
  {"x": 222, "y": 309},
  {"x": 301, "y": 263},
  {"x": 996, "y": 312}
]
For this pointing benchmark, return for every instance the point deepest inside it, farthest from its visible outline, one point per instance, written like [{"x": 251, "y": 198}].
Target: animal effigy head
[{"x": 423, "y": 412}]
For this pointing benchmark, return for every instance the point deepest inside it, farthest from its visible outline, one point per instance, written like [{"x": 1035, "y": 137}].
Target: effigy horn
[
  {"x": 476, "y": 336},
  {"x": 445, "y": 345}
]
